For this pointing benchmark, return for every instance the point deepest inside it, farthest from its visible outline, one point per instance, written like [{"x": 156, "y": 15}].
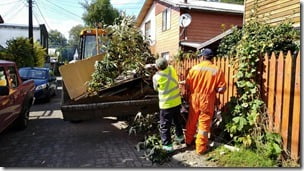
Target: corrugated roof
[
  {"x": 204, "y": 5},
  {"x": 17, "y": 25},
  {"x": 199, "y": 46},
  {"x": 214, "y": 39},
  {"x": 190, "y": 44}
]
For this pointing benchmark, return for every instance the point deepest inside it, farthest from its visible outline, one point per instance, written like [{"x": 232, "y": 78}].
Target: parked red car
[{"x": 16, "y": 97}]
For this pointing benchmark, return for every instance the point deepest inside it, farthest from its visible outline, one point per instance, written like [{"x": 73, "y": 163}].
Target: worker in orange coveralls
[{"x": 203, "y": 81}]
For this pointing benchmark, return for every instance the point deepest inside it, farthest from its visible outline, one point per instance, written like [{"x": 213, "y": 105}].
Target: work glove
[
  {"x": 147, "y": 66},
  {"x": 218, "y": 117}
]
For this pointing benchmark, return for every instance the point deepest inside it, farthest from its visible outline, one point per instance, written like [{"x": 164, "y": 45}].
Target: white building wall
[
  {"x": 8, "y": 32},
  {"x": 150, "y": 16}
]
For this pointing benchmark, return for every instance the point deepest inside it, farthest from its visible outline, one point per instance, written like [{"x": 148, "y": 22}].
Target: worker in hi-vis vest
[
  {"x": 203, "y": 81},
  {"x": 165, "y": 81}
]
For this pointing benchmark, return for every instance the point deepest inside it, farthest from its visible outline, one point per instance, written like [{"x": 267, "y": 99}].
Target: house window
[
  {"x": 148, "y": 29},
  {"x": 166, "y": 19}
]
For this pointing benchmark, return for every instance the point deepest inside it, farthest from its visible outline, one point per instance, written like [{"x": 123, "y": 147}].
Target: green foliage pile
[
  {"x": 21, "y": 51},
  {"x": 148, "y": 125},
  {"x": 125, "y": 51}
]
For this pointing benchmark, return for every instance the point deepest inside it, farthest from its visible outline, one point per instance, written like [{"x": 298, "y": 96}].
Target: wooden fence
[{"x": 279, "y": 80}]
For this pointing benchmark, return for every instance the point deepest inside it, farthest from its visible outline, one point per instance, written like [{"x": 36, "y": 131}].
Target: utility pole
[{"x": 30, "y": 22}]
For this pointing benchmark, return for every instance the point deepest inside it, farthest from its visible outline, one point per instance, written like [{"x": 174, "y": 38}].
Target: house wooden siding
[
  {"x": 167, "y": 41},
  {"x": 275, "y": 11},
  {"x": 206, "y": 25}
]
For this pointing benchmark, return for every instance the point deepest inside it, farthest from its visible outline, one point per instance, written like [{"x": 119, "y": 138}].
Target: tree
[
  {"x": 99, "y": 11},
  {"x": 74, "y": 36},
  {"x": 21, "y": 51},
  {"x": 56, "y": 39},
  {"x": 39, "y": 55}
]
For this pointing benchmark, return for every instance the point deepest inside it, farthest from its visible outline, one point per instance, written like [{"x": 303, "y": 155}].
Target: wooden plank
[
  {"x": 230, "y": 81},
  {"x": 216, "y": 62},
  {"x": 265, "y": 78},
  {"x": 286, "y": 99},
  {"x": 227, "y": 80},
  {"x": 271, "y": 90},
  {"x": 278, "y": 93},
  {"x": 223, "y": 69},
  {"x": 295, "y": 136},
  {"x": 284, "y": 6}
]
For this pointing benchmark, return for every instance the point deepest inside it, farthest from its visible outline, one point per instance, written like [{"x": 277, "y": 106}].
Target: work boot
[
  {"x": 180, "y": 139},
  {"x": 192, "y": 144},
  {"x": 168, "y": 148}
]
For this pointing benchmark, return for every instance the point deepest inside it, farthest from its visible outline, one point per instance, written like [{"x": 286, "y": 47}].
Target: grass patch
[{"x": 242, "y": 158}]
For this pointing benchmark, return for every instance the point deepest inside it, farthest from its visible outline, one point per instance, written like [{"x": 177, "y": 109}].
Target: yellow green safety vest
[{"x": 165, "y": 82}]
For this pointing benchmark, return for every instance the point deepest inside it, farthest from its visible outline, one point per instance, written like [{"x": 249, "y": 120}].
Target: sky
[{"x": 59, "y": 15}]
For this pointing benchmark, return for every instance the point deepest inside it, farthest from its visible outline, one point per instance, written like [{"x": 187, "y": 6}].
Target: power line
[
  {"x": 43, "y": 16},
  {"x": 17, "y": 10},
  {"x": 70, "y": 4},
  {"x": 63, "y": 9},
  {"x": 54, "y": 10},
  {"x": 35, "y": 15},
  {"x": 13, "y": 7}
]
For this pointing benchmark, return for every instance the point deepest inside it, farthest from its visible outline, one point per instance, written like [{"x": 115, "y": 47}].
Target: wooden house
[
  {"x": 159, "y": 21},
  {"x": 274, "y": 11}
]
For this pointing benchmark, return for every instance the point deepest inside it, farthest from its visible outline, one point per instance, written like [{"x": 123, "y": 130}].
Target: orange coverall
[{"x": 203, "y": 82}]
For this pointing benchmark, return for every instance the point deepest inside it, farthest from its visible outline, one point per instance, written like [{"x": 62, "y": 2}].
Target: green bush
[{"x": 21, "y": 51}]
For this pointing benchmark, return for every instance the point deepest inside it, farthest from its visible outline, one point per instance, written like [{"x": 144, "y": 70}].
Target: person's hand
[
  {"x": 149, "y": 66},
  {"x": 218, "y": 117},
  {"x": 182, "y": 82}
]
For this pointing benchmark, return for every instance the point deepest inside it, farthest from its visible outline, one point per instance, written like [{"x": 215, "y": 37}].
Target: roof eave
[
  {"x": 211, "y": 9},
  {"x": 143, "y": 12}
]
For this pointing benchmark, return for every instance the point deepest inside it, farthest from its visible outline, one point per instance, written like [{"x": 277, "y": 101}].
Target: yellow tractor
[{"x": 76, "y": 74}]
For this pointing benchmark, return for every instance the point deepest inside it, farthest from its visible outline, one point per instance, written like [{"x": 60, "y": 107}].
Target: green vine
[{"x": 247, "y": 125}]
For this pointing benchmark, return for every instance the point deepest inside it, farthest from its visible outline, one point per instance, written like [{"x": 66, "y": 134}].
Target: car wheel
[{"x": 22, "y": 120}]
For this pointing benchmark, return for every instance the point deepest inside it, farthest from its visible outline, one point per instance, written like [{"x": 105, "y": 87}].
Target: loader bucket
[{"x": 76, "y": 75}]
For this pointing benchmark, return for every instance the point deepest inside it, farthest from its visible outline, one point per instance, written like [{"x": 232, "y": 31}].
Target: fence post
[
  {"x": 286, "y": 99},
  {"x": 296, "y": 112},
  {"x": 279, "y": 92},
  {"x": 271, "y": 90}
]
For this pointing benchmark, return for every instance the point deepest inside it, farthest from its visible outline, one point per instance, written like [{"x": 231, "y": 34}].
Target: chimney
[{"x": 185, "y": 1}]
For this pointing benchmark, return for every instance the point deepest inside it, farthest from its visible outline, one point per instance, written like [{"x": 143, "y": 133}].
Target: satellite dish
[{"x": 185, "y": 20}]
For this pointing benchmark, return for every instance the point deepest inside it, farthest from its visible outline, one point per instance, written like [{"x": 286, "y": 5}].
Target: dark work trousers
[{"x": 166, "y": 117}]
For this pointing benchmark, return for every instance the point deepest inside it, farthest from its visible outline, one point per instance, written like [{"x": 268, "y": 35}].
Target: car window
[
  {"x": 33, "y": 73},
  {"x": 3, "y": 80},
  {"x": 13, "y": 77}
]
